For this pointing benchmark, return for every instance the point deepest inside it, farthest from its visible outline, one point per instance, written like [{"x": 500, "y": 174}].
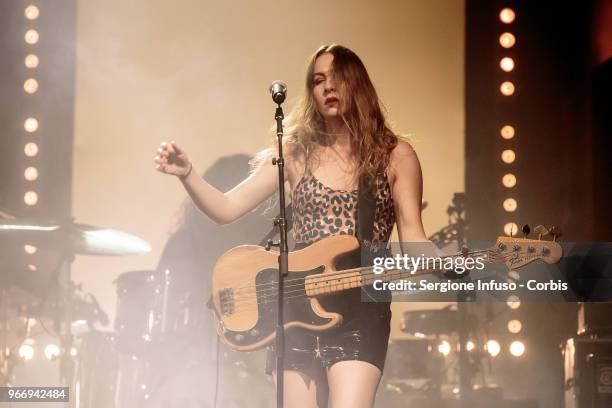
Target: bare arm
[
  {"x": 407, "y": 190},
  {"x": 222, "y": 208}
]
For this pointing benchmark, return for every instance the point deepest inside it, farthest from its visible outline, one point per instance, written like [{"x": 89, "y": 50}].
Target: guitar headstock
[{"x": 516, "y": 252}]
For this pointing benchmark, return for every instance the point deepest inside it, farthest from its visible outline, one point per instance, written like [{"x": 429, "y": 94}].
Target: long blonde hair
[{"x": 371, "y": 137}]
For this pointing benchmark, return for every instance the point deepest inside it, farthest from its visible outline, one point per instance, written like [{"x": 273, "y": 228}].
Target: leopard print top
[{"x": 320, "y": 211}]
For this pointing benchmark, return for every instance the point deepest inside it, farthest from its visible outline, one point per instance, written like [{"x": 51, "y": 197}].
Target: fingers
[{"x": 176, "y": 148}]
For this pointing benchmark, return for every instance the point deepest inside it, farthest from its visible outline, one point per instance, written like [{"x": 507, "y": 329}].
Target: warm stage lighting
[
  {"x": 517, "y": 348},
  {"x": 30, "y": 198},
  {"x": 507, "y": 40},
  {"x": 444, "y": 347},
  {"x": 506, "y": 88},
  {"x": 30, "y": 249},
  {"x": 507, "y": 15},
  {"x": 31, "y": 61},
  {"x": 506, "y": 64},
  {"x": 509, "y": 180},
  {"x": 30, "y": 173},
  {"x": 493, "y": 348},
  {"x": 31, "y": 37},
  {"x": 30, "y": 85},
  {"x": 513, "y": 302},
  {"x": 507, "y": 132},
  {"x": 469, "y": 346},
  {"x": 30, "y": 149},
  {"x": 30, "y": 125},
  {"x": 31, "y": 12},
  {"x": 510, "y": 229},
  {"x": 32, "y": 267},
  {"x": 51, "y": 351},
  {"x": 515, "y": 326},
  {"x": 508, "y": 156},
  {"x": 26, "y": 352},
  {"x": 510, "y": 204}
]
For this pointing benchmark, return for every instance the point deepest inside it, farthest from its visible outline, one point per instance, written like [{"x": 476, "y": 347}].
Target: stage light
[
  {"x": 517, "y": 348},
  {"x": 30, "y": 173},
  {"x": 31, "y": 12},
  {"x": 506, "y": 64},
  {"x": 509, "y": 180},
  {"x": 513, "y": 302},
  {"x": 31, "y": 61},
  {"x": 493, "y": 348},
  {"x": 30, "y": 85},
  {"x": 73, "y": 351},
  {"x": 30, "y": 198},
  {"x": 30, "y": 249},
  {"x": 507, "y": 40},
  {"x": 30, "y": 125},
  {"x": 469, "y": 346},
  {"x": 507, "y": 132},
  {"x": 444, "y": 347},
  {"x": 510, "y": 204},
  {"x": 32, "y": 267},
  {"x": 30, "y": 149},
  {"x": 508, "y": 156},
  {"x": 510, "y": 229},
  {"x": 26, "y": 351},
  {"x": 507, "y": 15},
  {"x": 515, "y": 326},
  {"x": 52, "y": 351},
  {"x": 31, "y": 37},
  {"x": 507, "y": 88}
]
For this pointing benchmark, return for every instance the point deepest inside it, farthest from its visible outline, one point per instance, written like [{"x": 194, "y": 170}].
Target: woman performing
[{"x": 337, "y": 138}]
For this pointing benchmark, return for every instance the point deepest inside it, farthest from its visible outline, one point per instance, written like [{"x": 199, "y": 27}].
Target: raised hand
[{"x": 171, "y": 159}]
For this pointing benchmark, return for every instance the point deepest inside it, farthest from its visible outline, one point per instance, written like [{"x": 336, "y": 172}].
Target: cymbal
[{"x": 78, "y": 239}]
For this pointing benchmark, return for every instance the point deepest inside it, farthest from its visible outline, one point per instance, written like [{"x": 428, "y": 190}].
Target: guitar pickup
[{"x": 226, "y": 301}]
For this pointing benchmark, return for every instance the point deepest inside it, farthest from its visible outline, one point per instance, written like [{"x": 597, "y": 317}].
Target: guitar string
[
  {"x": 329, "y": 275},
  {"x": 265, "y": 299},
  {"x": 249, "y": 307},
  {"x": 327, "y": 278}
]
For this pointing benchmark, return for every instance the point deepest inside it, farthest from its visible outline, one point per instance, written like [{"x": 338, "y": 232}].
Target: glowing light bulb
[
  {"x": 31, "y": 12},
  {"x": 444, "y": 347},
  {"x": 517, "y": 348},
  {"x": 507, "y": 40},
  {"x": 507, "y": 88},
  {"x": 31, "y": 37},
  {"x": 30, "y": 249},
  {"x": 31, "y": 61},
  {"x": 507, "y": 132},
  {"x": 26, "y": 352},
  {"x": 508, "y": 156},
  {"x": 30, "y": 198},
  {"x": 513, "y": 302},
  {"x": 510, "y": 228},
  {"x": 30, "y": 173},
  {"x": 30, "y": 85},
  {"x": 30, "y": 125},
  {"x": 510, "y": 204},
  {"x": 509, "y": 180},
  {"x": 515, "y": 326},
  {"x": 30, "y": 149},
  {"x": 493, "y": 348},
  {"x": 506, "y": 64},
  {"x": 507, "y": 15}
]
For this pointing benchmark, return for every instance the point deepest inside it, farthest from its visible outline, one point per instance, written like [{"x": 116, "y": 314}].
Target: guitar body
[{"x": 244, "y": 291}]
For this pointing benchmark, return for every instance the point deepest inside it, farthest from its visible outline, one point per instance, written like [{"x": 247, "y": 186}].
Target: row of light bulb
[
  {"x": 516, "y": 348},
  {"x": 507, "y": 40},
  {"x": 30, "y": 87}
]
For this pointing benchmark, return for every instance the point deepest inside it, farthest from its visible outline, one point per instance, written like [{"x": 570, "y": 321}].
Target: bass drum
[
  {"x": 97, "y": 365},
  {"x": 153, "y": 309}
]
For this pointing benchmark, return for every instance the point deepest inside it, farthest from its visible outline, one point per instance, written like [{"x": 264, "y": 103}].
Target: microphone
[{"x": 278, "y": 90}]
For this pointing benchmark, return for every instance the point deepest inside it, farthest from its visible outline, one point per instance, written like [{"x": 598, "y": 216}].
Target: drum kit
[{"x": 159, "y": 330}]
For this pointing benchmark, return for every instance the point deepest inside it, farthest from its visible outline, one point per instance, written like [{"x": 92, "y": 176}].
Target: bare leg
[
  {"x": 353, "y": 384},
  {"x": 304, "y": 390}
]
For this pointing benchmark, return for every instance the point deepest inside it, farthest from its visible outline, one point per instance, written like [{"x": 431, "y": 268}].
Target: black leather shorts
[{"x": 363, "y": 335}]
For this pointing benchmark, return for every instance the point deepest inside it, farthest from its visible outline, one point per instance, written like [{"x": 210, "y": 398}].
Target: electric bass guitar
[{"x": 245, "y": 291}]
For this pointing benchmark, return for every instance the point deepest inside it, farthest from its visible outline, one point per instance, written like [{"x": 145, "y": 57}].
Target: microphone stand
[{"x": 283, "y": 259}]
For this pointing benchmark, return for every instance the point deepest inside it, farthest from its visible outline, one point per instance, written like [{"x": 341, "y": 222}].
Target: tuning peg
[
  {"x": 526, "y": 230},
  {"x": 541, "y": 230},
  {"x": 270, "y": 244},
  {"x": 555, "y": 232}
]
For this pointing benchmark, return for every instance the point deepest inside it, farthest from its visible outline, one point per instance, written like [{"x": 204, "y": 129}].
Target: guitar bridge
[{"x": 226, "y": 300}]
